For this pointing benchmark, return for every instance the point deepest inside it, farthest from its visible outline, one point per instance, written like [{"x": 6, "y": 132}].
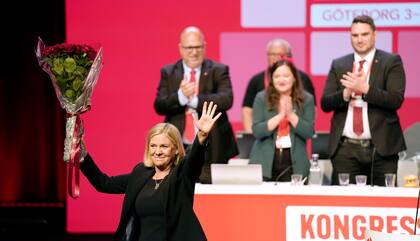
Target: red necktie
[
  {"x": 357, "y": 110},
  {"x": 189, "y": 132}
]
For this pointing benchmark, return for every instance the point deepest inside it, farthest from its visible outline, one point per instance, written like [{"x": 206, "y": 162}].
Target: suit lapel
[
  {"x": 204, "y": 75},
  {"x": 347, "y": 67},
  {"x": 168, "y": 188},
  {"x": 178, "y": 74},
  {"x": 374, "y": 68}
]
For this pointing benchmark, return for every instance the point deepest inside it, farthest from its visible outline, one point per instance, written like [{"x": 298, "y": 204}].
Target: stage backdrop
[{"x": 139, "y": 37}]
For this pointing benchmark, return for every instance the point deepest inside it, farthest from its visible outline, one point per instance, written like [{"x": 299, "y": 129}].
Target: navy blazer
[
  {"x": 181, "y": 222},
  {"x": 384, "y": 98}
]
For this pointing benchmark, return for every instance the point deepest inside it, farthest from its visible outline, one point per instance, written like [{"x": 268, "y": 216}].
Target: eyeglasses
[
  {"x": 270, "y": 54},
  {"x": 191, "y": 48}
]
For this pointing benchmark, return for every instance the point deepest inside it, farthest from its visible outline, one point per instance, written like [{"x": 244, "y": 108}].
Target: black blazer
[
  {"x": 181, "y": 222},
  {"x": 214, "y": 85},
  {"x": 385, "y": 97}
]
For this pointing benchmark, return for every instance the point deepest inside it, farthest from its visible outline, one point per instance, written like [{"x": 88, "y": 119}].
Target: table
[{"x": 279, "y": 211}]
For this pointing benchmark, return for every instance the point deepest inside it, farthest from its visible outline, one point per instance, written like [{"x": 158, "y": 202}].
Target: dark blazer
[
  {"x": 385, "y": 97},
  {"x": 181, "y": 221},
  {"x": 214, "y": 85}
]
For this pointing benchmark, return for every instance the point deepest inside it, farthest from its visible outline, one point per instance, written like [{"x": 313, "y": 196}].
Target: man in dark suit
[
  {"x": 276, "y": 48},
  {"x": 365, "y": 89},
  {"x": 186, "y": 85}
]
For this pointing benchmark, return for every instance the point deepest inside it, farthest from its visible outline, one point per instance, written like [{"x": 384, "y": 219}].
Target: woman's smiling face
[
  {"x": 283, "y": 80},
  {"x": 161, "y": 151}
]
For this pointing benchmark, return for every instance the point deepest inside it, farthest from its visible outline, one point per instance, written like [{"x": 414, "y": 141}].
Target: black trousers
[
  {"x": 282, "y": 166},
  {"x": 356, "y": 159}
]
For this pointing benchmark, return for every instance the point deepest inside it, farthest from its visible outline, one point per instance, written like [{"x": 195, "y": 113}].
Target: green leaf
[
  {"x": 77, "y": 84},
  {"x": 80, "y": 71},
  {"x": 69, "y": 94},
  {"x": 69, "y": 65},
  {"x": 57, "y": 67},
  {"x": 60, "y": 79},
  {"x": 62, "y": 87}
]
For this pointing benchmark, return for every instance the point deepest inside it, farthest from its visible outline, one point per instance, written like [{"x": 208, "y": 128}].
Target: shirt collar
[
  {"x": 188, "y": 69},
  {"x": 368, "y": 57}
]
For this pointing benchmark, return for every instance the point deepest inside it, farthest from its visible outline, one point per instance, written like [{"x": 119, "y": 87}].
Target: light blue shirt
[{"x": 183, "y": 100}]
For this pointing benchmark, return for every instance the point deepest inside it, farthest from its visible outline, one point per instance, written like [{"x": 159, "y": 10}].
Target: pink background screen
[{"x": 139, "y": 37}]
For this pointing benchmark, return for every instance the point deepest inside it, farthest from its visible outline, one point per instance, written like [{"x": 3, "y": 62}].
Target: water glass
[
  {"x": 402, "y": 155},
  {"x": 417, "y": 156},
  {"x": 297, "y": 179},
  {"x": 361, "y": 180},
  {"x": 390, "y": 179},
  {"x": 343, "y": 179}
]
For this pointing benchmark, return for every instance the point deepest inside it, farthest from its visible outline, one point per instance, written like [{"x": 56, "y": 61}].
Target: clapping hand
[
  {"x": 288, "y": 104},
  {"x": 187, "y": 87},
  {"x": 206, "y": 121},
  {"x": 356, "y": 82}
]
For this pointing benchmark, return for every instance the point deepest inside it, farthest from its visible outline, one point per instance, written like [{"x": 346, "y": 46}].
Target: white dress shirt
[{"x": 348, "y": 126}]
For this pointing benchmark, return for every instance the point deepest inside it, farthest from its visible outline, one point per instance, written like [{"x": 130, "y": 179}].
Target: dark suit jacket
[
  {"x": 214, "y": 85},
  {"x": 385, "y": 97},
  {"x": 181, "y": 221}
]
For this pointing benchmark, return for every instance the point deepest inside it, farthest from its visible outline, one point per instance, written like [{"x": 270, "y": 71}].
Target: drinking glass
[
  {"x": 343, "y": 179},
  {"x": 297, "y": 179},
  {"x": 402, "y": 155},
  {"x": 361, "y": 180},
  {"x": 390, "y": 179}
]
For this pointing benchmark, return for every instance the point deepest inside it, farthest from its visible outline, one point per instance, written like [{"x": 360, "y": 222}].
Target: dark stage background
[{"x": 32, "y": 173}]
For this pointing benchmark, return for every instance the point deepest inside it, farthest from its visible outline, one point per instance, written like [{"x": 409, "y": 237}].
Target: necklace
[
  {"x": 157, "y": 183},
  {"x": 158, "y": 180}
]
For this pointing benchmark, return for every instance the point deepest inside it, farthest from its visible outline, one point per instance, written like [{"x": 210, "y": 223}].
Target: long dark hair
[{"x": 297, "y": 94}]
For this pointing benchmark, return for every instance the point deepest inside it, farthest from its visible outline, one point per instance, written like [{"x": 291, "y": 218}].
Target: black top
[
  {"x": 181, "y": 223},
  {"x": 149, "y": 209},
  {"x": 256, "y": 84}
]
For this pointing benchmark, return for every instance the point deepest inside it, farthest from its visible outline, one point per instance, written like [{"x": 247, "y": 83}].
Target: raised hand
[{"x": 206, "y": 121}]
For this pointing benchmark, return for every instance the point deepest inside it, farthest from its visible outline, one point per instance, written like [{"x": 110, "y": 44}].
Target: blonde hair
[{"x": 172, "y": 133}]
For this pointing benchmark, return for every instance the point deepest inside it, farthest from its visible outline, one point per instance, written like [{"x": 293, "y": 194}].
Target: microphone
[
  {"x": 371, "y": 169},
  {"x": 282, "y": 174},
  {"x": 417, "y": 212}
]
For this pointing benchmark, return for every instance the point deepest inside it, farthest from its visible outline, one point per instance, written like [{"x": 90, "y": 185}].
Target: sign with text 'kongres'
[{"x": 306, "y": 223}]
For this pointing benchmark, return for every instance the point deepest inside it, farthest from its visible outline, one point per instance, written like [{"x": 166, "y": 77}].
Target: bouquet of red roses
[{"x": 74, "y": 70}]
